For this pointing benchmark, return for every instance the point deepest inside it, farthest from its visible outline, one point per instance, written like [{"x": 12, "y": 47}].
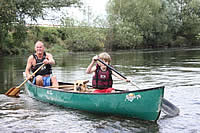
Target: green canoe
[{"x": 143, "y": 104}]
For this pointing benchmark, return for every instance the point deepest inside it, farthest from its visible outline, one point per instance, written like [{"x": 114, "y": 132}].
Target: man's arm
[
  {"x": 49, "y": 59},
  {"x": 28, "y": 66}
]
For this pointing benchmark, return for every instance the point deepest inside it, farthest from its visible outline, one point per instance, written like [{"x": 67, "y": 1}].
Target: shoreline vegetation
[
  {"x": 78, "y": 39},
  {"x": 163, "y": 24}
]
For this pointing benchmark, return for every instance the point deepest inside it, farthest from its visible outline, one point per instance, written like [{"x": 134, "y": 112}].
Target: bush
[
  {"x": 84, "y": 39},
  {"x": 180, "y": 42}
]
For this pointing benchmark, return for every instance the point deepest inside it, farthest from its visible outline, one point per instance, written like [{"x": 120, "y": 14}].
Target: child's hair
[{"x": 105, "y": 56}]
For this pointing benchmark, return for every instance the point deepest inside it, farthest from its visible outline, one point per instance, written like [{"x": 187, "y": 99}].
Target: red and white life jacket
[{"x": 102, "y": 79}]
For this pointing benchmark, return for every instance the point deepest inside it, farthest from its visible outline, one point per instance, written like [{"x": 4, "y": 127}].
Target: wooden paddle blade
[{"x": 13, "y": 92}]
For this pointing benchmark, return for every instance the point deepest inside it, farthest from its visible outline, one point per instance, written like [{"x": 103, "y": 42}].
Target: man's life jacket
[
  {"x": 102, "y": 79},
  {"x": 45, "y": 70}
]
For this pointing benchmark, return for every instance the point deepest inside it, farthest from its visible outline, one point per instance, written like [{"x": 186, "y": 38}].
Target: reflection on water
[{"x": 178, "y": 70}]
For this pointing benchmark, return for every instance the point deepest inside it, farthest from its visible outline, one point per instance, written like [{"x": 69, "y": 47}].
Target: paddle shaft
[
  {"x": 61, "y": 86},
  {"x": 116, "y": 72},
  {"x": 31, "y": 75},
  {"x": 111, "y": 68}
]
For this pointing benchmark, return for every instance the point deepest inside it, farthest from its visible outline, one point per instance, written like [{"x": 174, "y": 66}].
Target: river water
[{"x": 177, "y": 69}]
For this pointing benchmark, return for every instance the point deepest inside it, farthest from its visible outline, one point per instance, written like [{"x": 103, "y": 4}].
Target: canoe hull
[{"x": 142, "y": 104}]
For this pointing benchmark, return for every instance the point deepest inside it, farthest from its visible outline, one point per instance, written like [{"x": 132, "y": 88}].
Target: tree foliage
[
  {"x": 154, "y": 23},
  {"x": 81, "y": 38},
  {"x": 130, "y": 24},
  {"x": 13, "y": 14}
]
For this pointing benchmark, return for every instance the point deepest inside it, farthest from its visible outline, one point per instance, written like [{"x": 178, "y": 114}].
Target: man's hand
[
  {"x": 46, "y": 61},
  {"x": 30, "y": 76}
]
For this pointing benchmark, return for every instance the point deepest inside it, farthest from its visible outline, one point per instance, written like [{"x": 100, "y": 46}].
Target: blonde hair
[{"x": 105, "y": 56}]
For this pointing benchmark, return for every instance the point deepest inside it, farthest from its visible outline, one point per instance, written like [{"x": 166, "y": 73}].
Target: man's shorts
[{"x": 46, "y": 81}]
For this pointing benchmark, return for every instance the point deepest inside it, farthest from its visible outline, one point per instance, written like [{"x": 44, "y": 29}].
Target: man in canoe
[
  {"x": 102, "y": 79},
  {"x": 43, "y": 77}
]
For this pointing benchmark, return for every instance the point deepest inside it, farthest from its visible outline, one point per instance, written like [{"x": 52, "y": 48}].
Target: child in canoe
[{"x": 102, "y": 78}]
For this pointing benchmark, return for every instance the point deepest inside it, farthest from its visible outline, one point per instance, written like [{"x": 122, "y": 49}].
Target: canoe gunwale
[{"x": 90, "y": 93}]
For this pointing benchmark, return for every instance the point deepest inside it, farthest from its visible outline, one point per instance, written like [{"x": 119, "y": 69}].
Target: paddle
[
  {"x": 61, "y": 86},
  {"x": 167, "y": 107},
  {"x": 14, "y": 92}
]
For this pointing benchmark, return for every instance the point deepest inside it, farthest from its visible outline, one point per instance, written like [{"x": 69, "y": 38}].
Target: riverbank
[{"x": 76, "y": 39}]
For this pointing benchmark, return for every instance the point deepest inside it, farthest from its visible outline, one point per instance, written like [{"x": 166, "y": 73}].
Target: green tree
[
  {"x": 14, "y": 12},
  {"x": 154, "y": 23},
  {"x": 183, "y": 21},
  {"x": 81, "y": 38},
  {"x": 136, "y": 22}
]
